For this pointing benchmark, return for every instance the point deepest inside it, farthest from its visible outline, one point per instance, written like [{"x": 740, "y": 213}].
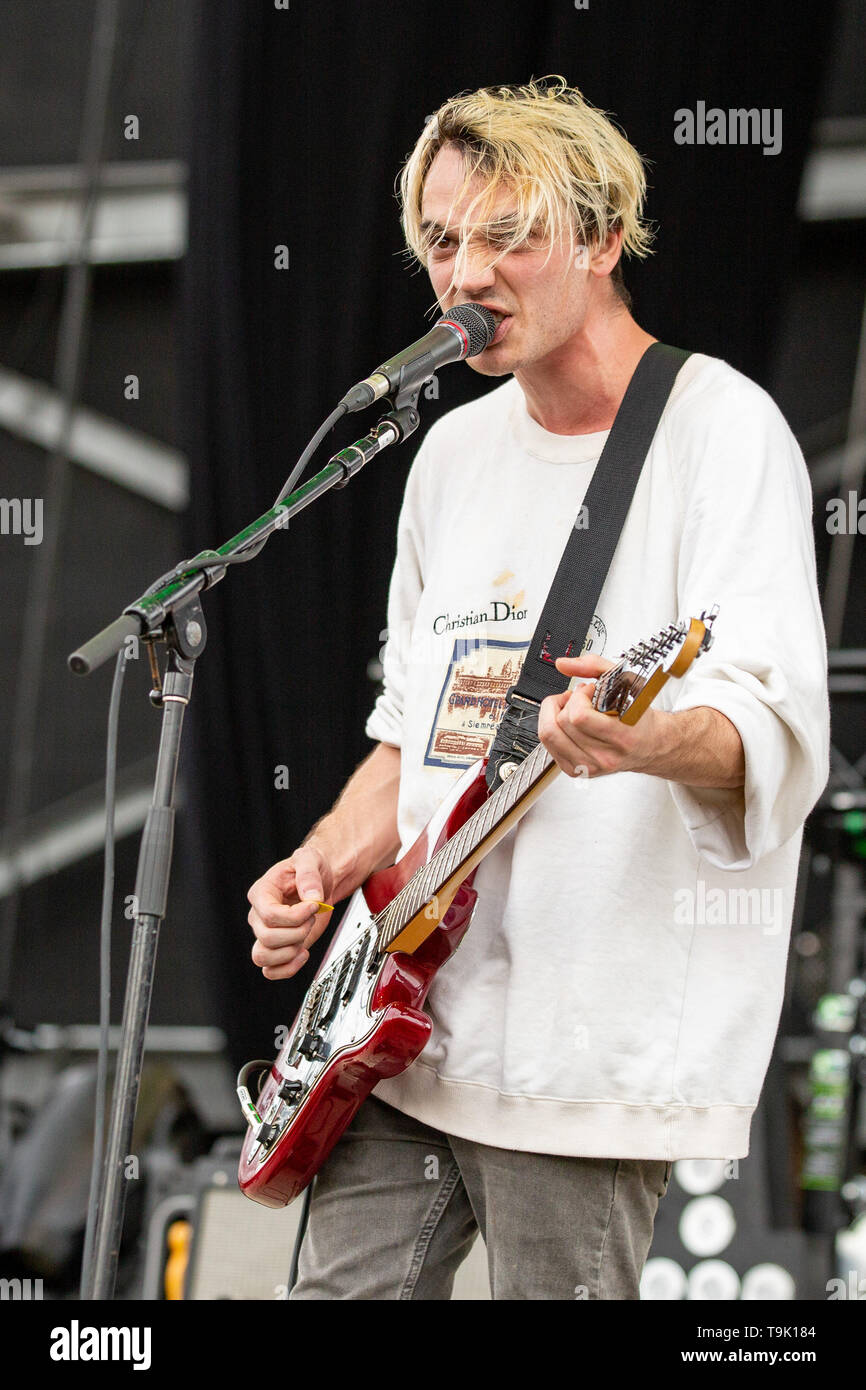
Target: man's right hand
[{"x": 283, "y": 913}]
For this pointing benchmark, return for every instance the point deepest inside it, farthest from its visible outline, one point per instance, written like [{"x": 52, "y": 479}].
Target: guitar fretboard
[{"x": 426, "y": 882}]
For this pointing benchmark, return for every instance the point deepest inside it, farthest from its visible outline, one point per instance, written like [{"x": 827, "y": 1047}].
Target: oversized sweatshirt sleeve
[
  {"x": 747, "y": 545},
  {"x": 386, "y": 718}
]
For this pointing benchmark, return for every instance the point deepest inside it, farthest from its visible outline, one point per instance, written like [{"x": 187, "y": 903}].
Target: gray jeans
[{"x": 397, "y": 1206}]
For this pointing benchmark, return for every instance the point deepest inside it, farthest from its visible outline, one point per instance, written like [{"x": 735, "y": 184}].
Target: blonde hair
[{"x": 571, "y": 171}]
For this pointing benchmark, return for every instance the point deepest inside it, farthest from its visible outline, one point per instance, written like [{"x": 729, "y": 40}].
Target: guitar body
[
  {"x": 362, "y": 1018},
  {"x": 365, "y": 1023}
]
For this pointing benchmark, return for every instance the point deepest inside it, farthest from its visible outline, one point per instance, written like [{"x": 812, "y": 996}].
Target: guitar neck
[
  {"x": 625, "y": 691},
  {"x": 450, "y": 865}
]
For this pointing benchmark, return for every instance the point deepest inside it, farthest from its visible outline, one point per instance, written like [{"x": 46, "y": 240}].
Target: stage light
[
  {"x": 707, "y": 1225},
  {"x": 663, "y": 1280},
  {"x": 713, "y": 1281},
  {"x": 768, "y": 1281}
]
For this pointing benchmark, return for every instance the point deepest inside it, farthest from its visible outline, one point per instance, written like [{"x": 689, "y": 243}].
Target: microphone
[{"x": 464, "y": 332}]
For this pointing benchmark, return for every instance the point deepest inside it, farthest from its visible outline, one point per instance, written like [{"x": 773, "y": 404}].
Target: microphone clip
[
  {"x": 404, "y": 411},
  {"x": 394, "y": 427}
]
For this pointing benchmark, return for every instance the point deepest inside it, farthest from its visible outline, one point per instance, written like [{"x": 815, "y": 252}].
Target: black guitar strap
[{"x": 571, "y": 603}]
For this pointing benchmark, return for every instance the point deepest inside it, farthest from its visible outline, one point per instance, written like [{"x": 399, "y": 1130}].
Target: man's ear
[{"x": 605, "y": 256}]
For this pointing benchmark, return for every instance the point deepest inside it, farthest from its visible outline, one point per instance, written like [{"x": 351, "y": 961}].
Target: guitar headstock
[{"x": 629, "y": 687}]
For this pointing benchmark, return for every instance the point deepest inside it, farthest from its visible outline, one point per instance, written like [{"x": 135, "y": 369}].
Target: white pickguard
[{"x": 351, "y": 1018}]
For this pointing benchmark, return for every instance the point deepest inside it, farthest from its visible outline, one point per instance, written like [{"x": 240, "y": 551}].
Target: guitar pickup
[{"x": 355, "y": 976}]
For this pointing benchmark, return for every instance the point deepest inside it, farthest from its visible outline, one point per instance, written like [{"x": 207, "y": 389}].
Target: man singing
[{"x": 597, "y": 1022}]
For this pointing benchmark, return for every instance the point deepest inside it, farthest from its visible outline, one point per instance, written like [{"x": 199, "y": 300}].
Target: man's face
[{"x": 542, "y": 296}]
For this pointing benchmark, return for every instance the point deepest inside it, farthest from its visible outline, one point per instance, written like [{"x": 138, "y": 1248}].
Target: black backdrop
[{"x": 300, "y": 120}]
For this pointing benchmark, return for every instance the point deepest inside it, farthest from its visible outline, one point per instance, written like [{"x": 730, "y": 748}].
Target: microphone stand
[{"x": 170, "y": 611}]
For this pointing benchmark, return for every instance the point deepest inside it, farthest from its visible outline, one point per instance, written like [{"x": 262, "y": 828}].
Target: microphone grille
[{"x": 478, "y": 322}]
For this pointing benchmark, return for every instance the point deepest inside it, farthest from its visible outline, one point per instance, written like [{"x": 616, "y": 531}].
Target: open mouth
[{"x": 503, "y": 320}]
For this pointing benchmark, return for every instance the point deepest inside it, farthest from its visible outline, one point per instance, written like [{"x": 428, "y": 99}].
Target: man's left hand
[
  {"x": 583, "y": 741},
  {"x": 699, "y": 747}
]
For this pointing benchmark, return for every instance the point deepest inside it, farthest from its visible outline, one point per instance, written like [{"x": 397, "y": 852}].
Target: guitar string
[
  {"x": 439, "y": 869},
  {"x": 443, "y": 864}
]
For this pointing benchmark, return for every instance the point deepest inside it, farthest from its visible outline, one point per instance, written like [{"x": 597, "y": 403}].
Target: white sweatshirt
[{"x": 618, "y": 991}]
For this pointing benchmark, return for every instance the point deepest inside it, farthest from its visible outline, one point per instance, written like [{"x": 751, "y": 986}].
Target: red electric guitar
[{"x": 362, "y": 1018}]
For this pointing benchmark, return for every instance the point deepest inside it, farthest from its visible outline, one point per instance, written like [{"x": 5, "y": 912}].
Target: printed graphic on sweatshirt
[{"x": 472, "y": 700}]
